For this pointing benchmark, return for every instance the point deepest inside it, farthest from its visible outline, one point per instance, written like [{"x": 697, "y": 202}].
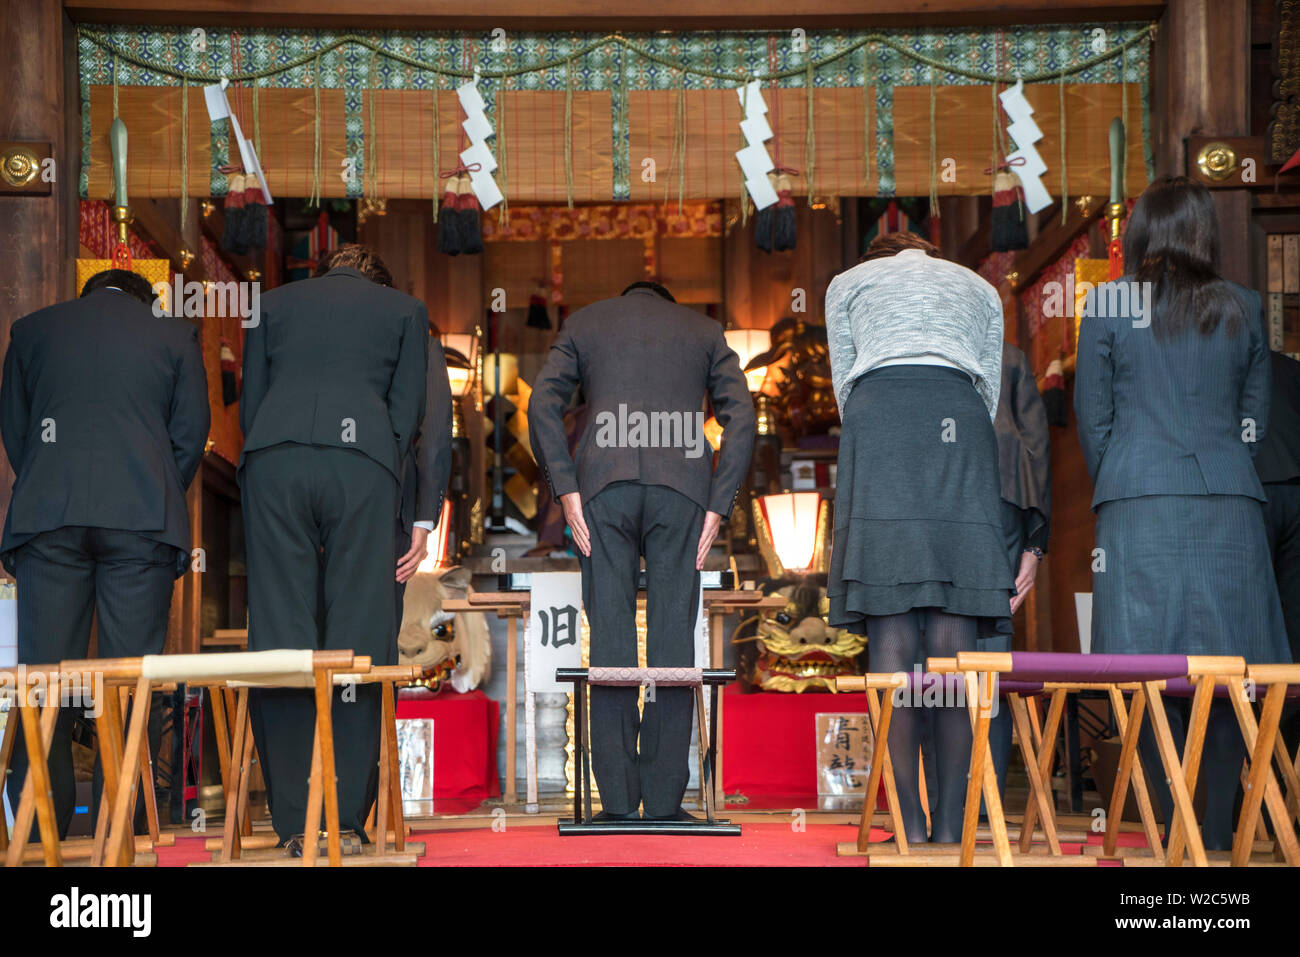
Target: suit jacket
[
  {"x": 645, "y": 366},
  {"x": 1278, "y": 456},
  {"x": 104, "y": 410},
  {"x": 336, "y": 361},
  {"x": 427, "y": 468},
  {"x": 1160, "y": 416},
  {"x": 1024, "y": 461}
]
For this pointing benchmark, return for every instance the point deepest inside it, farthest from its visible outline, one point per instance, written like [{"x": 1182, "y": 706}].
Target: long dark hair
[{"x": 1172, "y": 242}]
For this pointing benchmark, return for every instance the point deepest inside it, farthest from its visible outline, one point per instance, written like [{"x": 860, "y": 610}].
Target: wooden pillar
[
  {"x": 1201, "y": 84},
  {"x": 39, "y": 233}
]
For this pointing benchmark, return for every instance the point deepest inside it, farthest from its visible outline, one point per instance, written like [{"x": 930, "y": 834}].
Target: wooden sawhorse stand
[
  {"x": 583, "y": 822},
  {"x": 36, "y": 722},
  {"x": 513, "y": 607}
]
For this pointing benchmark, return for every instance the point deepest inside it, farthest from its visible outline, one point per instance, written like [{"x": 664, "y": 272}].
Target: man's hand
[
  {"x": 408, "y": 563},
  {"x": 712, "y": 521},
  {"x": 1024, "y": 579},
  {"x": 572, "y": 505}
]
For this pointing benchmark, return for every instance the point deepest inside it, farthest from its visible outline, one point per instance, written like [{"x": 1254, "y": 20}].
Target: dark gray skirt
[
  {"x": 918, "y": 520},
  {"x": 1186, "y": 575}
]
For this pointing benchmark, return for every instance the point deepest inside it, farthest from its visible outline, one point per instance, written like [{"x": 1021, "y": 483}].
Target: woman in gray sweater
[{"x": 916, "y": 358}]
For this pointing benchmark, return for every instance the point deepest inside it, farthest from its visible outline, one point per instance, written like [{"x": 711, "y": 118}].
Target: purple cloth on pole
[
  {"x": 1182, "y": 688},
  {"x": 1020, "y": 687},
  {"x": 1052, "y": 666}
]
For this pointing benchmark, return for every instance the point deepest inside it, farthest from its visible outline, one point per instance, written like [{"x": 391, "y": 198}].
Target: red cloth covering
[
  {"x": 769, "y": 740},
  {"x": 464, "y": 741}
]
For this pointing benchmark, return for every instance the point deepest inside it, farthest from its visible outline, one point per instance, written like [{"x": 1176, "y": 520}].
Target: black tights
[
  {"x": 1221, "y": 761},
  {"x": 895, "y": 645}
]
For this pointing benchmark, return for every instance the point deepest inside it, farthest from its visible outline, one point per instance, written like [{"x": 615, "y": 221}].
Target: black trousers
[
  {"x": 628, "y": 520},
  {"x": 1282, "y": 522},
  {"x": 68, "y": 577},
  {"x": 318, "y": 519}
]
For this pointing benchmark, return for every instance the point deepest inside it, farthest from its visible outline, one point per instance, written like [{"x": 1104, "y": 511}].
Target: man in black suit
[
  {"x": 333, "y": 395},
  {"x": 104, "y": 409},
  {"x": 425, "y": 474},
  {"x": 1278, "y": 464},
  {"x": 427, "y": 467},
  {"x": 643, "y": 484}
]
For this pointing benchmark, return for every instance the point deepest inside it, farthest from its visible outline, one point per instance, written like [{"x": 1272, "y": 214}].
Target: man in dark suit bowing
[
  {"x": 104, "y": 410},
  {"x": 427, "y": 467},
  {"x": 424, "y": 473},
  {"x": 643, "y": 485},
  {"x": 333, "y": 395}
]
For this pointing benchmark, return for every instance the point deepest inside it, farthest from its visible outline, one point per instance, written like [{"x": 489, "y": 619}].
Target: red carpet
[{"x": 760, "y": 845}]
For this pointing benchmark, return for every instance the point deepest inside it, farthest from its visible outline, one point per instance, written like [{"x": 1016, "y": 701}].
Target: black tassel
[
  {"x": 232, "y": 234},
  {"x": 537, "y": 317},
  {"x": 783, "y": 217},
  {"x": 255, "y": 230},
  {"x": 783, "y": 228},
  {"x": 1008, "y": 227},
  {"x": 763, "y": 229},
  {"x": 449, "y": 231},
  {"x": 449, "y": 220},
  {"x": 471, "y": 231}
]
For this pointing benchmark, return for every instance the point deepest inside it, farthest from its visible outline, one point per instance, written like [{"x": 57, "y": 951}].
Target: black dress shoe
[
  {"x": 681, "y": 815},
  {"x": 350, "y": 843},
  {"x": 611, "y": 816}
]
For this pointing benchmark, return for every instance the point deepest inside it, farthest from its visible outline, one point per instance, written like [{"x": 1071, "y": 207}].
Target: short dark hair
[
  {"x": 355, "y": 256},
  {"x": 133, "y": 284},
  {"x": 652, "y": 286},
  {"x": 891, "y": 244}
]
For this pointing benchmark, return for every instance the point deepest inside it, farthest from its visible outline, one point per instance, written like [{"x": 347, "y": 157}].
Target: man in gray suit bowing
[{"x": 643, "y": 484}]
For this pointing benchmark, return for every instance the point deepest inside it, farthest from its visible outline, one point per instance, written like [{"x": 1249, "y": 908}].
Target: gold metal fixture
[
  {"x": 19, "y": 166},
  {"x": 1216, "y": 161}
]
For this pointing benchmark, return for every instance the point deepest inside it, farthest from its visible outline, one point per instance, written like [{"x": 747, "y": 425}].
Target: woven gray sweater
[{"x": 914, "y": 305}]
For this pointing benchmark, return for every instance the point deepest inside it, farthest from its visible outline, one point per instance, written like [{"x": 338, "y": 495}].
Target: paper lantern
[
  {"x": 793, "y": 522},
  {"x": 459, "y": 380},
  {"x": 748, "y": 343}
]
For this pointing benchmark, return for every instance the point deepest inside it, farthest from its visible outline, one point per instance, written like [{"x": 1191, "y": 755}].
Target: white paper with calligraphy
[
  {"x": 554, "y": 633},
  {"x": 701, "y": 633},
  {"x": 843, "y": 754},
  {"x": 415, "y": 758}
]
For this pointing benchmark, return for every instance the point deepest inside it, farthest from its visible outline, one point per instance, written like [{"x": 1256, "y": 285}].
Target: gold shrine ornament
[
  {"x": 19, "y": 166},
  {"x": 1216, "y": 161}
]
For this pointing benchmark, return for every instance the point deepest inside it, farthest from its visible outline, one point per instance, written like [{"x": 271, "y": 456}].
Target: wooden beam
[
  {"x": 607, "y": 14},
  {"x": 38, "y": 76},
  {"x": 213, "y": 226},
  {"x": 1255, "y": 148},
  {"x": 1201, "y": 82},
  {"x": 1053, "y": 241},
  {"x": 153, "y": 224},
  {"x": 979, "y": 244}
]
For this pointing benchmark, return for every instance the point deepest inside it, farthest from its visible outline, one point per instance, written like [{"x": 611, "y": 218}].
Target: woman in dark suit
[{"x": 1171, "y": 393}]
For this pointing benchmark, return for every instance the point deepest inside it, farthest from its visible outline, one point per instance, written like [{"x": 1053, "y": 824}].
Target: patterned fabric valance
[{"x": 577, "y": 116}]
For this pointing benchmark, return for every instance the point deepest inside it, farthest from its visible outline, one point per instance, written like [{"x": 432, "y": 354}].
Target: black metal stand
[{"x": 583, "y": 822}]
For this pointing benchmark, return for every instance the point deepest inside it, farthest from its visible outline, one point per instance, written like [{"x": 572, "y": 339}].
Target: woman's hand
[{"x": 1024, "y": 579}]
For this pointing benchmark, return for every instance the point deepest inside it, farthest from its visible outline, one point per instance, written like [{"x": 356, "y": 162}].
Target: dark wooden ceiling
[{"x": 609, "y": 15}]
